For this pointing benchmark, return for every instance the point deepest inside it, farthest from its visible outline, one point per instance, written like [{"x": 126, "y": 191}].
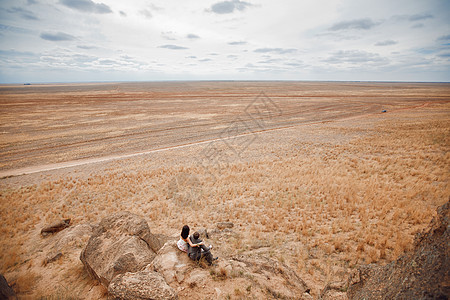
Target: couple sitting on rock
[{"x": 194, "y": 246}]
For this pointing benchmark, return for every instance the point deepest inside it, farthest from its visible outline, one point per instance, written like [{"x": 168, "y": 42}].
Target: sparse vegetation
[
  {"x": 326, "y": 197},
  {"x": 26, "y": 283}
]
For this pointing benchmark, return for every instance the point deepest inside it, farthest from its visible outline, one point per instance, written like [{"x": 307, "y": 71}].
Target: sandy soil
[
  {"x": 50, "y": 124},
  {"x": 315, "y": 167}
]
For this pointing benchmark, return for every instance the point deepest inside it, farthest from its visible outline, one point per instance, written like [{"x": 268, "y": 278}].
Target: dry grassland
[{"x": 320, "y": 198}]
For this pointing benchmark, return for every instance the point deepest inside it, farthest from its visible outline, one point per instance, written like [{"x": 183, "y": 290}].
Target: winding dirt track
[
  {"x": 74, "y": 163},
  {"x": 80, "y": 162},
  {"x": 48, "y": 128}
]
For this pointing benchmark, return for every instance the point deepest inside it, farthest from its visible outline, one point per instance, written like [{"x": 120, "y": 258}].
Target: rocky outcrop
[
  {"x": 121, "y": 255},
  {"x": 268, "y": 278},
  {"x": 121, "y": 243},
  {"x": 422, "y": 273},
  {"x": 334, "y": 291},
  {"x": 143, "y": 285},
  {"x": 269, "y": 275}
]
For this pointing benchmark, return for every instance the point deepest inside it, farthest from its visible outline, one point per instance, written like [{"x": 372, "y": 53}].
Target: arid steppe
[{"x": 321, "y": 176}]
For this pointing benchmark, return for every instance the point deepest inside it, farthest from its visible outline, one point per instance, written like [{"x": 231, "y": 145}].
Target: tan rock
[
  {"x": 121, "y": 243},
  {"x": 141, "y": 285},
  {"x": 73, "y": 237},
  {"x": 58, "y": 226},
  {"x": 171, "y": 263},
  {"x": 197, "y": 277},
  {"x": 270, "y": 275}
]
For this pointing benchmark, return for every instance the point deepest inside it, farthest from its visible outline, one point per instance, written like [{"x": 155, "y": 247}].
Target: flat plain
[{"x": 321, "y": 176}]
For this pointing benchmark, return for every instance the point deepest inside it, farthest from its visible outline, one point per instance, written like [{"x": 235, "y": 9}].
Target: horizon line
[{"x": 30, "y": 83}]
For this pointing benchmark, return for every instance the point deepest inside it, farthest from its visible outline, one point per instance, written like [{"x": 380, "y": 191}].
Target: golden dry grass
[{"x": 319, "y": 206}]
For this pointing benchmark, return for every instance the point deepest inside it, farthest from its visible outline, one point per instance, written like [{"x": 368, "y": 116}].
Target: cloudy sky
[{"x": 117, "y": 40}]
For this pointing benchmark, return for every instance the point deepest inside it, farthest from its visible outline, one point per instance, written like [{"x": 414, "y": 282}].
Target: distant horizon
[{"x": 211, "y": 80}]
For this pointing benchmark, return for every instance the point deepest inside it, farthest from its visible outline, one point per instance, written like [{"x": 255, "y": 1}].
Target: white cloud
[
  {"x": 146, "y": 13},
  {"x": 58, "y": 40}
]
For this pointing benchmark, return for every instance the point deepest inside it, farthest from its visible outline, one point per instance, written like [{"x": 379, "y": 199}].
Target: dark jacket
[
  {"x": 193, "y": 250},
  {"x": 196, "y": 252}
]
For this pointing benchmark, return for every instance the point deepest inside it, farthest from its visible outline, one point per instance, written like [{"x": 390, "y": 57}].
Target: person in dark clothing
[{"x": 196, "y": 253}]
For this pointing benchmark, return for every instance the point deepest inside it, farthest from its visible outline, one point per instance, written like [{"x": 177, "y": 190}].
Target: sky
[{"x": 140, "y": 40}]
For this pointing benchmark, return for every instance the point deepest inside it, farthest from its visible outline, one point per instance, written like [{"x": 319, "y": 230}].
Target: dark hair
[
  {"x": 196, "y": 235},
  {"x": 185, "y": 232}
]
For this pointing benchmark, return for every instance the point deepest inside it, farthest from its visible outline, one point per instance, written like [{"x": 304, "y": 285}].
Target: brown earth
[
  {"x": 46, "y": 124},
  {"x": 314, "y": 176}
]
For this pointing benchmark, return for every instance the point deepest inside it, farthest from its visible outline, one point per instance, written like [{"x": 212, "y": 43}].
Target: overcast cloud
[
  {"x": 386, "y": 43},
  {"x": 364, "y": 24},
  {"x": 57, "y": 37},
  {"x": 115, "y": 40},
  {"x": 228, "y": 7},
  {"x": 87, "y": 6}
]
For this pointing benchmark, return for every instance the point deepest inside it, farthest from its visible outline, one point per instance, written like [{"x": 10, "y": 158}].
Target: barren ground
[{"x": 310, "y": 173}]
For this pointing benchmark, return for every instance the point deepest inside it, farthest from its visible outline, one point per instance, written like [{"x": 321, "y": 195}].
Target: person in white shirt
[{"x": 184, "y": 242}]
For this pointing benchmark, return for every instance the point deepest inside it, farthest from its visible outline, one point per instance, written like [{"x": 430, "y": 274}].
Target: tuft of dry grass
[
  {"x": 223, "y": 273},
  {"x": 25, "y": 283}
]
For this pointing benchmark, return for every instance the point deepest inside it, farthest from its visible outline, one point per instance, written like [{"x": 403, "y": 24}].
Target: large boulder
[
  {"x": 422, "y": 273},
  {"x": 120, "y": 243},
  {"x": 142, "y": 285}
]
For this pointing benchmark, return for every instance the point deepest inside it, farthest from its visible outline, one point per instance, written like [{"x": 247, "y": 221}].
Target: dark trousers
[{"x": 202, "y": 252}]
